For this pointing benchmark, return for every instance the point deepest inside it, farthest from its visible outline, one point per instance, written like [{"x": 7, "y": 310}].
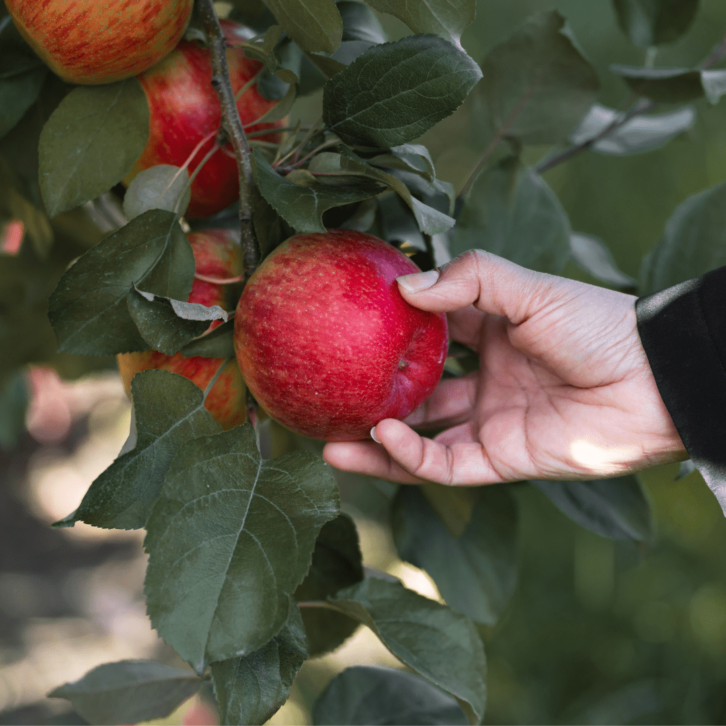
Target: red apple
[
  {"x": 217, "y": 254},
  {"x": 185, "y": 110},
  {"x": 101, "y": 42},
  {"x": 325, "y": 341}
]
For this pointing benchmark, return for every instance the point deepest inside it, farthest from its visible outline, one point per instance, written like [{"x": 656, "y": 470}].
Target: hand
[{"x": 564, "y": 390}]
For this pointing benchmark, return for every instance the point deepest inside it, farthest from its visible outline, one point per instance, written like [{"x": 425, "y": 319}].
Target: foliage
[{"x": 252, "y": 568}]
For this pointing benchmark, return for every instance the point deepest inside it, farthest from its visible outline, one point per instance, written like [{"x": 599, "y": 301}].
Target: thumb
[{"x": 490, "y": 283}]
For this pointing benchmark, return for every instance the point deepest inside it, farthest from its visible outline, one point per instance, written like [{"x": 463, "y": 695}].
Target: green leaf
[
  {"x": 476, "y": 573},
  {"x": 21, "y": 76},
  {"x": 435, "y": 641},
  {"x": 654, "y": 22},
  {"x": 360, "y": 23},
  {"x": 636, "y": 136},
  {"x": 429, "y": 220},
  {"x": 369, "y": 696},
  {"x": 414, "y": 158},
  {"x": 13, "y": 407},
  {"x": 511, "y": 212},
  {"x": 537, "y": 85},
  {"x": 395, "y": 92},
  {"x": 251, "y": 527},
  {"x": 694, "y": 242},
  {"x": 169, "y": 413},
  {"x": 303, "y": 207},
  {"x": 592, "y": 255},
  {"x": 129, "y": 691},
  {"x": 337, "y": 563},
  {"x": 168, "y": 325},
  {"x": 251, "y": 689},
  {"x": 315, "y": 25},
  {"x": 219, "y": 343},
  {"x": 88, "y": 309},
  {"x": 159, "y": 187},
  {"x": 91, "y": 142},
  {"x": 447, "y": 18},
  {"x": 616, "y": 508},
  {"x": 673, "y": 85}
]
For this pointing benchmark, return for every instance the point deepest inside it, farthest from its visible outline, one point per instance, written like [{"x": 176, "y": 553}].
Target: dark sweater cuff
[{"x": 683, "y": 331}]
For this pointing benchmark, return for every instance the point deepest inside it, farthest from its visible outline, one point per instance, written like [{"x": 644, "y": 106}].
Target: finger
[
  {"x": 490, "y": 283},
  {"x": 427, "y": 460},
  {"x": 451, "y": 402},
  {"x": 465, "y": 326},
  {"x": 366, "y": 457}
]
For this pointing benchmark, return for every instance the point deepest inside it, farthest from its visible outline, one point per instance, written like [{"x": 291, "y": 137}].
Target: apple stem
[{"x": 232, "y": 124}]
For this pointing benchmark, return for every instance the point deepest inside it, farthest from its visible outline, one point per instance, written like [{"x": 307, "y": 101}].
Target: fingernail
[
  {"x": 419, "y": 281},
  {"x": 373, "y": 435}
]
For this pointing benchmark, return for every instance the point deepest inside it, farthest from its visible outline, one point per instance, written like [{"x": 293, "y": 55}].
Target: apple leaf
[
  {"x": 91, "y": 142},
  {"x": 14, "y": 398},
  {"x": 218, "y": 343},
  {"x": 636, "y": 136},
  {"x": 616, "y": 508},
  {"x": 395, "y": 92},
  {"x": 88, "y": 309},
  {"x": 251, "y": 527},
  {"x": 169, "y": 412},
  {"x": 593, "y": 255},
  {"x": 367, "y": 695},
  {"x": 168, "y": 325},
  {"x": 446, "y": 18},
  {"x": 694, "y": 242},
  {"x": 673, "y": 85},
  {"x": 315, "y": 25},
  {"x": 435, "y": 641},
  {"x": 129, "y": 691},
  {"x": 21, "y": 76},
  {"x": 429, "y": 219},
  {"x": 655, "y": 22},
  {"x": 302, "y": 207},
  {"x": 252, "y": 689},
  {"x": 511, "y": 212},
  {"x": 159, "y": 187},
  {"x": 537, "y": 85},
  {"x": 414, "y": 158},
  {"x": 337, "y": 563},
  {"x": 476, "y": 573},
  {"x": 360, "y": 23}
]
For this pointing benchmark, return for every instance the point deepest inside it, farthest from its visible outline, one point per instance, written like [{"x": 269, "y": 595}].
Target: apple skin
[
  {"x": 185, "y": 109},
  {"x": 327, "y": 344},
  {"x": 217, "y": 254},
  {"x": 101, "y": 42}
]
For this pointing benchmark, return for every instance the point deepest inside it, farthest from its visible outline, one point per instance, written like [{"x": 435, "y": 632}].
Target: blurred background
[{"x": 598, "y": 631}]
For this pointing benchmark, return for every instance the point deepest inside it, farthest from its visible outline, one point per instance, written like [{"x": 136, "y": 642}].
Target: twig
[
  {"x": 639, "y": 108},
  {"x": 233, "y": 126}
]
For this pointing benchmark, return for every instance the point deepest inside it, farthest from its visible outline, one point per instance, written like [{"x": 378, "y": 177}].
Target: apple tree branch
[{"x": 232, "y": 124}]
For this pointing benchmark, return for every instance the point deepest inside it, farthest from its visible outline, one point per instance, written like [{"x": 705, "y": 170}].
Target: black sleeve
[{"x": 683, "y": 331}]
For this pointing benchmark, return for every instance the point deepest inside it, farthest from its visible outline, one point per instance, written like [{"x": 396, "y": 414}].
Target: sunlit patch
[{"x": 596, "y": 458}]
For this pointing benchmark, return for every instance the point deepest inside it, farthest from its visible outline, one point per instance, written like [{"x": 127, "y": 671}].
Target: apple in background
[
  {"x": 217, "y": 254},
  {"x": 185, "y": 110},
  {"x": 100, "y": 42},
  {"x": 325, "y": 341}
]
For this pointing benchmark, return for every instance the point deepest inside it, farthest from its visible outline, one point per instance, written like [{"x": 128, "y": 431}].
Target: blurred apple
[
  {"x": 217, "y": 255},
  {"x": 185, "y": 110},
  {"x": 325, "y": 341},
  {"x": 101, "y": 42}
]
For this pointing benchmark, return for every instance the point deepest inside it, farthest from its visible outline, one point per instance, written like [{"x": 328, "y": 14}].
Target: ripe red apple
[
  {"x": 325, "y": 341},
  {"x": 216, "y": 254},
  {"x": 101, "y": 42},
  {"x": 185, "y": 110}
]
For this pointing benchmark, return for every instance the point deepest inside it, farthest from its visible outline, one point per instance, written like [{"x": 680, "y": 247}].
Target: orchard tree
[{"x": 151, "y": 173}]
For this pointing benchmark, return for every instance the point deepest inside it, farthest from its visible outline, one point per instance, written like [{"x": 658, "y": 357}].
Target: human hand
[{"x": 564, "y": 390}]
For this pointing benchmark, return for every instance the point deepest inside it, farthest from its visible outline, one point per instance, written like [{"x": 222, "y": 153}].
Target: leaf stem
[
  {"x": 718, "y": 53},
  {"x": 233, "y": 126},
  {"x": 215, "y": 377},
  {"x": 316, "y": 604}
]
